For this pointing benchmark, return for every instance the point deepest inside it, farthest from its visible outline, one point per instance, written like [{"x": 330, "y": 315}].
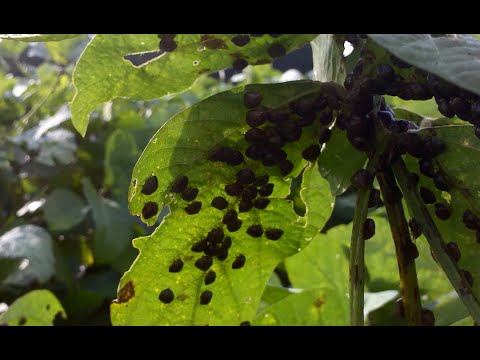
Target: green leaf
[
  {"x": 38, "y": 37},
  {"x": 339, "y": 161},
  {"x": 448, "y": 309},
  {"x": 34, "y": 244},
  {"x": 63, "y": 210},
  {"x": 328, "y": 61},
  {"x": 36, "y": 308},
  {"x": 322, "y": 268},
  {"x": 460, "y": 164},
  {"x": 104, "y": 73},
  {"x": 310, "y": 307},
  {"x": 452, "y": 58},
  {"x": 121, "y": 153},
  {"x": 113, "y": 225},
  {"x": 382, "y": 265},
  {"x": 181, "y": 148}
]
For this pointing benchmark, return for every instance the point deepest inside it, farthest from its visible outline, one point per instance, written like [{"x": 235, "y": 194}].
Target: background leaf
[
  {"x": 36, "y": 308},
  {"x": 37, "y": 37},
  {"x": 459, "y": 164},
  {"x": 34, "y": 244},
  {"x": 452, "y": 58},
  {"x": 63, "y": 210},
  {"x": 113, "y": 225},
  {"x": 339, "y": 161}
]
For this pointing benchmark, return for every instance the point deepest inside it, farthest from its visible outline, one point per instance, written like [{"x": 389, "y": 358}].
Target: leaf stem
[
  {"x": 431, "y": 232},
  {"x": 404, "y": 247}
]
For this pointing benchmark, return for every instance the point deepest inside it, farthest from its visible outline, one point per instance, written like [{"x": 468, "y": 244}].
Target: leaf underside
[{"x": 181, "y": 148}]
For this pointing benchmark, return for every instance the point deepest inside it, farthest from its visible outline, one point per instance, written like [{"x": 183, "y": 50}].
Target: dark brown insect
[
  {"x": 453, "y": 250},
  {"x": 166, "y": 296},
  {"x": 219, "y": 203},
  {"x": 261, "y": 203},
  {"x": 427, "y": 196},
  {"x": 443, "y": 211},
  {"x": 176, "y": 266},
  {"x": 179, "y": 184},
  {"x": 255, "y": 230},
  {"x": 150, "y": 185},
  {"x": 368, "y": 228},
  {"x": 206, "y": 297},
  {"x": 150, "y": 209},
  {"x": 193, "y": 208},
  {"x": 252, "y": 99},
  {"x": 189, "y": 194},
  {"x": 204, "y": 263},
  {"x": 273, "y": 234},
  {"x": 210, "y": 277},
  {"x": 239, "y": 262},
  {"x": 311, "y": 153}
]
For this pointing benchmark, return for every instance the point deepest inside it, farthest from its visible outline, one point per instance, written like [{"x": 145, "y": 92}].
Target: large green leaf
[
  {"x": 36, "y": 308},
  {"x": 181, "y": 148},
  {"x": 63, "y": 210},
  {"x": 37, "y": 37},
  {"x": 460, "y": 164},
  {"x": 113, "y": 225},
  {"x": 339, "y": 161},
  {"x": 33, "y": 244},
  {"x": 103, "y": 73},
  {"x": 452, "y": 58}
]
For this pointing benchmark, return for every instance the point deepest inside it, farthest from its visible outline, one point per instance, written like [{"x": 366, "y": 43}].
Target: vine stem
[
  {"x": 435, "y": 240},
  {"x": 405, "y": 249}
]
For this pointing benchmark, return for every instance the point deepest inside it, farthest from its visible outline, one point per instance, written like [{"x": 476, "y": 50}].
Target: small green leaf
[
  {"x": 37, "y": 37},
  {"x": 310, "y": 307},
  {"x": 448, "y": 309},
  {"x": 181, "y": 148},
  {"x": 452, "y": 58},
  {"x": 121, "y": 153},
  {"x": 113, "y": 225},
  {"x": 33, "y": 244},
  {"x": 104, "y": 71},
  {"x": 36, "y": 308},
  {"x": 63, "y": 210},
  {"x": 339, "y": 161}
]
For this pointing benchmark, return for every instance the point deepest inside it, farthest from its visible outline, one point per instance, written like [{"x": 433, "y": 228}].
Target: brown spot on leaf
[
  {"x": 318, "y": 302},
  {"x": 126, "y": 293},
  {"x": 22, "y": 321},
  {"x": 211, "y": 42}
]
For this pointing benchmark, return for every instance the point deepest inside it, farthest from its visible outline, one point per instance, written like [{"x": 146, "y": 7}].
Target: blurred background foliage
[{"x": 64, "y": 221}]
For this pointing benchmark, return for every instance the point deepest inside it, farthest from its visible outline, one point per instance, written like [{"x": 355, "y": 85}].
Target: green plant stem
[
  {"x": 403, "y": 248},
  {"x": 357, "y": 247},
  {"x": 435, "y": 240},
  {"x": 357, "y": 259}
]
